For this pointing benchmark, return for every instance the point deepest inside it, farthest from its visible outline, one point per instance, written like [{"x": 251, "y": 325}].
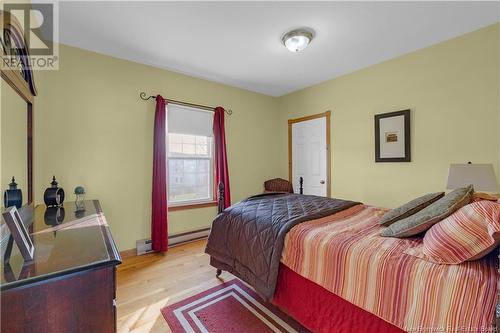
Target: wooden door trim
[{"x": 327, "y": 115}]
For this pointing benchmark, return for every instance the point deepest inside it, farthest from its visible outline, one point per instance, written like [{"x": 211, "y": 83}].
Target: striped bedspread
[{"x": 345, "y": 254}]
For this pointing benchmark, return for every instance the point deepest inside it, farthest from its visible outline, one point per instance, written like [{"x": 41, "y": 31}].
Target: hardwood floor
[{"x": 150, "y": 282}]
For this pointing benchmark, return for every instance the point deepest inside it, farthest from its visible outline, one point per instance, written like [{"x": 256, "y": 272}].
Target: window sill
[{"x": 192, "y": 206}]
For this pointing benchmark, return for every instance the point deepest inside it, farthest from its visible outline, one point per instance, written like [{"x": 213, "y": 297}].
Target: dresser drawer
[{"x": 77, "y": 302}]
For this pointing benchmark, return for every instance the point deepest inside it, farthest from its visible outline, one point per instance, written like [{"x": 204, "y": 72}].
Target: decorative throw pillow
[
  {"x": 468, "y": 234},
  {"x": 479, "y": 196},
  {"x": 430, "y": 215},
  {"x": 409, "y": 208}
]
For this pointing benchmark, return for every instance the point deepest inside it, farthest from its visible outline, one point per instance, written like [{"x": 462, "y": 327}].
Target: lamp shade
[{"x": 482, "y": 176}]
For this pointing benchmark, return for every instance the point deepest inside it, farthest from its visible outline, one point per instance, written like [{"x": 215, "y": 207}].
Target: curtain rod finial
[{"x": 143, "y": 96}]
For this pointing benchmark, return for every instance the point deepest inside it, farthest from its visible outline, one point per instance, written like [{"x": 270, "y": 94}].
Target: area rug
[{"x": 230, "y": 307}]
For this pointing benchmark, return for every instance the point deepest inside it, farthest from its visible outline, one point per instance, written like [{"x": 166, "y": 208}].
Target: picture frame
[
  {"x": 393, "y": 137},
  {"x": 19, "y": 233}
]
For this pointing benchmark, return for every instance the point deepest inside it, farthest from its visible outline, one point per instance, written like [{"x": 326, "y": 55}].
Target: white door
[{"x": 309, "y": 156}]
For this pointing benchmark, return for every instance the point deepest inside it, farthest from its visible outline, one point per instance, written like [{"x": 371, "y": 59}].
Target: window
[
  {"x": 190, "y": 156},
  {"x": 190, "y": 167}
]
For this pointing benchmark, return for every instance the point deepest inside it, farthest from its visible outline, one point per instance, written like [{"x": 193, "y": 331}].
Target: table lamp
[{"x": 481, "y": 176}]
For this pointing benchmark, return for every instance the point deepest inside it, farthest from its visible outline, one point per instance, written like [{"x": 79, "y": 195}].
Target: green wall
[
  {"x": 92, "y": 129},
  {"x": 452, "y": 89}
]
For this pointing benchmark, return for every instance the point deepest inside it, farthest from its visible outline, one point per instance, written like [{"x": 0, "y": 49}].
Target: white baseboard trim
[
  {"x": 143, "y": 246},
  {"x": 188, "y": 236}
]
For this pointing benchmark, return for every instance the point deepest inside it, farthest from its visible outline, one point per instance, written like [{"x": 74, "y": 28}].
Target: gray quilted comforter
[{"x": 247, "y": 238}]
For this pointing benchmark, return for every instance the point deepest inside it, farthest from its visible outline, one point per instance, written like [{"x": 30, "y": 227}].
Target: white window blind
[
  {"x": 190, "y": 155},
  {"x": 187, "y": 120}
]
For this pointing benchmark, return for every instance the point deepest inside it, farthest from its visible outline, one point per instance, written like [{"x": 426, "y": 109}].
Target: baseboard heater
[{"x": 144, "y": 245}]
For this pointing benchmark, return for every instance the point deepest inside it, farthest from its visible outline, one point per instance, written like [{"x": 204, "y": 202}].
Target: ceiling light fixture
[{"x": 297, "y": 40}]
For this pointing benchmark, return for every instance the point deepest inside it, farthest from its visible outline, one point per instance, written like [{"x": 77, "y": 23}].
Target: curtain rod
[{"x": 173, "y": 101}]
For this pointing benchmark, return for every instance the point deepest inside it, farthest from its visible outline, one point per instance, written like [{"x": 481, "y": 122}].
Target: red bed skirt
[{"x": 319, "y": 310}]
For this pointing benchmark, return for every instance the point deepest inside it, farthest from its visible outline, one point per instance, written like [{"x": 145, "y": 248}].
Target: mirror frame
[{"x": 21, "y": 80}]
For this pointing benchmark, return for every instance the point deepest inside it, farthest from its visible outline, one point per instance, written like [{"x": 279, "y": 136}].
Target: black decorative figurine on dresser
[
  {"x": 13, "y": 196},
  {"x": 54, "y": 195}
]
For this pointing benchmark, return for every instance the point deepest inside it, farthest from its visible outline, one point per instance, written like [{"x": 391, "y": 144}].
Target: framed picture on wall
[{"x": 392, "y": 137}]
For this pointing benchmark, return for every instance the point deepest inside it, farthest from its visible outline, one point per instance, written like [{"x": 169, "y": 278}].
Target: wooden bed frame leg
[
  {"x": 220, "y": 200},
  {"x": 220, "y": 209}
]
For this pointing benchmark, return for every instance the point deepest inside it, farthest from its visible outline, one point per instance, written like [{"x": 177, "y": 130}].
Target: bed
[{"x": 334, "y": 273}]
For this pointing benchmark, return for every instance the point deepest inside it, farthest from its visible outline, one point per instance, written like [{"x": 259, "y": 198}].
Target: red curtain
[
  {"x": 159, "y": 233},
  {"x": 221, "y": 170}
]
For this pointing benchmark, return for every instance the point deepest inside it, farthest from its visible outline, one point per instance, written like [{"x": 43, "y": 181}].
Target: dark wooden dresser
[{"x": 70, "y": 285}]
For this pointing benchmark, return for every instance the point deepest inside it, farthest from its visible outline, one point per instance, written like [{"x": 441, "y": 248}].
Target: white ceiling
[{"x": 238, "y": 43}]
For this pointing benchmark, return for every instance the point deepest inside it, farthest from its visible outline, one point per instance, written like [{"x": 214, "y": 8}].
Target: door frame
[{"x": 327, "y": 115}]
